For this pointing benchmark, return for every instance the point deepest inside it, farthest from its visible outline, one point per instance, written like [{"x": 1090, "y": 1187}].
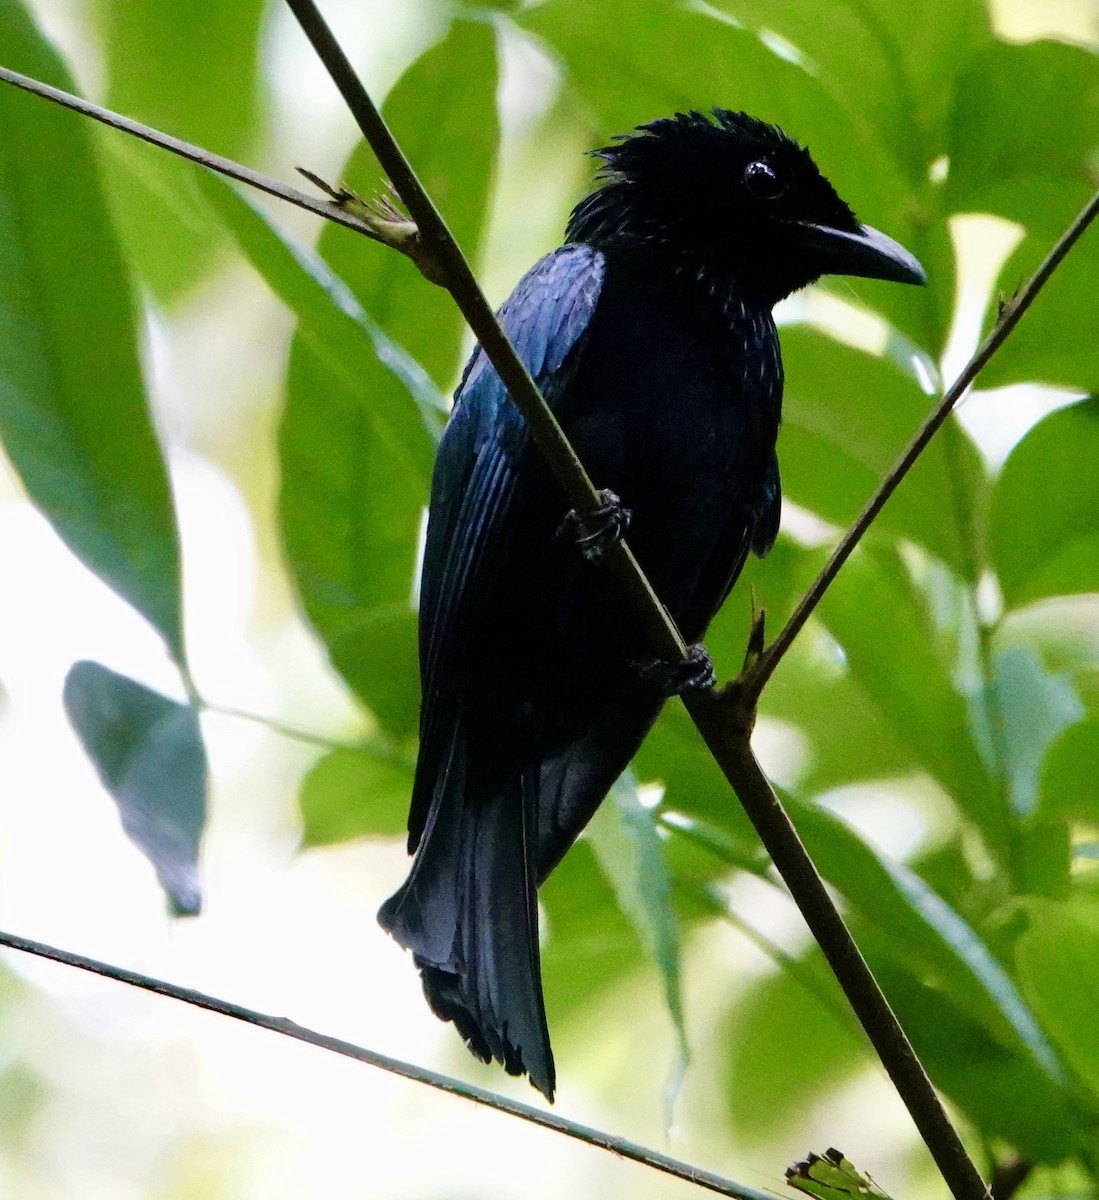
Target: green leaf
[
  {"x": 847, "y": 416},
  {"x": 149, "y": 755},
  {"x": 888, "y": 637},
  {"x": 356, "y": 442},
  {"x": 443, "y": 112},
  {"x": 1044, "y": 523},
  {"x": 1004, "y": 1094},
  {"x": 191, "y": 69},
  {"x": 1030, "y": 708},
  {"x": 73, "y": 416},
  {"x": 831, "y": 1176},
  {"x": 784, "y": 1043},
  {"x": 626, "y": 837},
  {"x": 1005, "y": 159},
  {"x": 620, "y": 81},
  {"x": 1069, "y": 772},
  {"x": 590, "y": 946},
  {"x": 920, "y": 927},
  {"x": 1056, "y": 957},
  {"x": 356, "y": 458},
  {"x": 1009, "y": 102},
  {"x": 351, "y": 793}
]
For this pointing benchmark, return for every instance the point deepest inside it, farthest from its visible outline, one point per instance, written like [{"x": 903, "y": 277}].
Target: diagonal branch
[
  {"x": 1010, "y": 315},
  {"x": 725, "y": 722},
  {"x": 205, "y": 158},
  {"x": 536, "y": 1116}
]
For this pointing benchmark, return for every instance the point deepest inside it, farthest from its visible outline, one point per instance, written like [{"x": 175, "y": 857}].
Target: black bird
[{"x": 651, "y": 336}]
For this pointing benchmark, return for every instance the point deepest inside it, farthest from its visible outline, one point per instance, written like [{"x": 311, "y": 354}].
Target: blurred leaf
[
  {"x": 1069, "y": 774},
  {"x": 886, "y": 633},
  {"x": 589, "y": 945},
  {"x": 919, "y": 926},
  {"x": 1024, "y": 115},
  {"x": 73, "y": 415},
  {"x": 1056, "y": 958},
  {"x": 191, "y": 69},
  {"x": 356, "y": 458},
  {"x": 148, "y": 753},
  {"x": 705, "y": 58},
  {"x": 1044, "y": 523},
  {"x": 1003, "y": 1093},
  {"x": 626, "y": 837},
  {"x": 782, "y": 1042},
  {"x": 356, "y": 462},
  {"x": 1025, "y": 146},
  {"x": 443, "y": 112},
  {"x": 847, "y": 416},
  {"x": 350, "y": 793},
  {"x": 1031, "y": 708}
]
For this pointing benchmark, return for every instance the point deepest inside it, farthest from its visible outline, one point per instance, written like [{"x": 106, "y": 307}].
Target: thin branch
[
  {"x": 452, "y": 266},
  {"x": 725, "y": 721},
  {"x": 444, "y": 1083},
  {"x": 1010, "y": 315},
  {"x": 732, "y": 750},
  {"x": 214, "y": 162}
]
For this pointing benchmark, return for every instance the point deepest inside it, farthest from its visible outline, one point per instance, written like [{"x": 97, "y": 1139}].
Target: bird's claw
[
  {"x": 695, "y": 673},
  {"x": 596, "y": 531}
]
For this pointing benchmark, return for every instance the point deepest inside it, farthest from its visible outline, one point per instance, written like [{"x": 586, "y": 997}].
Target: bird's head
[{"x": 733, "y": 194}]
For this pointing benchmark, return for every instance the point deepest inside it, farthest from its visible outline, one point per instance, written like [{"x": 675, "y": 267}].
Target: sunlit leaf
[
  {"x": 73, "y": 416},
  {"x": 350, "y": 793},
  {"x": 847, "y": 417},
  {"x": 1024, "y": 146},
  {"x": 191, "y": 69},
  {"x": 1044, "y": 523},
  {"x": 149, "y": 755},
  {"x": 1056, "y": 957}
]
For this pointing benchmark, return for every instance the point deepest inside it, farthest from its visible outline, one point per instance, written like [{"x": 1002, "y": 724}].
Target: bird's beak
[{"x": 865, "y": 252}]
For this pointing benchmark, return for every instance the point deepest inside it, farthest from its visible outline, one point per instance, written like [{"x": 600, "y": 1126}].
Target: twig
[
  {"x": 1010, "y": 314},
  {"x": 724, "y": 721},
  {"x": 205, "y": 158},
  {"x": 444, "y": 1083}
]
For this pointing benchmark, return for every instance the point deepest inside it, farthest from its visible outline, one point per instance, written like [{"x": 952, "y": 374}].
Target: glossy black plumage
[{"x": 650, "y": 333}]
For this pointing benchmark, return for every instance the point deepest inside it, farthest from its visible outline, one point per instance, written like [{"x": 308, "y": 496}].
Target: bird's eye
[{"x": 763, "y": 181}]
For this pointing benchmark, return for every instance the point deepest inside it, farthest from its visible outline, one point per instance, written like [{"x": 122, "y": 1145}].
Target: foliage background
[{"x": 935, "y": 731}]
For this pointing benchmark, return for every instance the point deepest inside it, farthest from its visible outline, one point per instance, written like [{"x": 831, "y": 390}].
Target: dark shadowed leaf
[
  {"x": 149, "y": 755},
  {"x": 73, "y": 415},
  {"x": 1044, "y": 522},
  {"x": 350, "y": 793}
]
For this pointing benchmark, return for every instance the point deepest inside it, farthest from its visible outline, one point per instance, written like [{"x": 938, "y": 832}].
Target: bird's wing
[{"x": 474, "y": 483}]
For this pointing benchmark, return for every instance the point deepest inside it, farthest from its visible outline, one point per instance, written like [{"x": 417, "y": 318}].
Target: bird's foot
[
  {"x": 695, "y": 673},
  {"x": 596, "y": 531}
]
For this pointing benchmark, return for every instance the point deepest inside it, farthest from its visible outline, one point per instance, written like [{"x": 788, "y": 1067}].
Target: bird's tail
[{"x": 468, "y": 912}]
